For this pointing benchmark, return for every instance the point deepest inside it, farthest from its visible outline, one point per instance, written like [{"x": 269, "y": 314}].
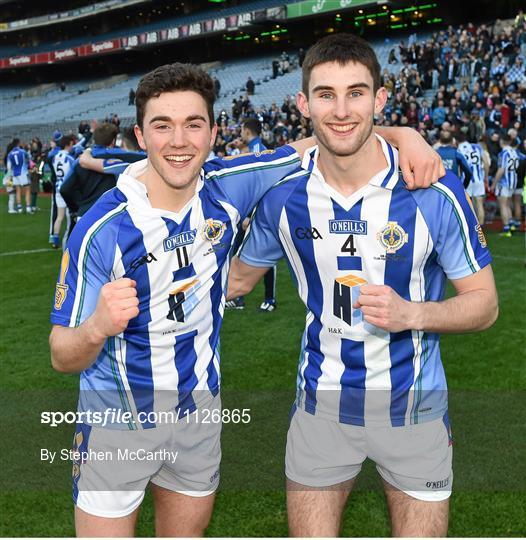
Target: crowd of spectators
[{"x": 470, "y": 78}]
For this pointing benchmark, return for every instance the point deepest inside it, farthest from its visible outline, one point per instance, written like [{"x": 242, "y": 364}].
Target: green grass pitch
[{"x": 486, "y": 374}]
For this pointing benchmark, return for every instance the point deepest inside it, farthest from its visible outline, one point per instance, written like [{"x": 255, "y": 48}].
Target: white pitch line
[{"x": 26, "y": 252}]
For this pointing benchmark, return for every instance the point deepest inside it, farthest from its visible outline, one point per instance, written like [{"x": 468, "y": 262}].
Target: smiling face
[
  {"x": 341, "y": 103},
  {"x": 177, "y": 137}
]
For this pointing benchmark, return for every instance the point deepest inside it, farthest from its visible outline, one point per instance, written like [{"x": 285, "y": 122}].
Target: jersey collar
[
  {"x": 386, "y": 178},
  {"x": 137, "y": 195}
]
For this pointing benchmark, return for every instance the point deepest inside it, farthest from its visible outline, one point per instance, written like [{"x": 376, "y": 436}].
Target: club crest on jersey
[
  {"x": 347, "y": 226},
  {"x": 392, "y": 237},
  {"x": 480, "y": 235},
  {"x": 346, "y": 292},
  {"x": 213, "y": 230},
  {"x": 178, "y": 240},
  {"x": 61, "y": 290}
]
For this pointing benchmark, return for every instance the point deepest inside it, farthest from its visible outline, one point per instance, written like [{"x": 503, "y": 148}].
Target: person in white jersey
[
  {"x": 62, "y": 163},
  {"x": 370, "y": 260},
  {"x": 505, "y": 182},
  {"x": 139, "y": 304},
  {"x": 479, "y": 161}
]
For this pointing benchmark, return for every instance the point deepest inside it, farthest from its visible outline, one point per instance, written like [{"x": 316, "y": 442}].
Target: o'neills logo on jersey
[
  {"x": 61, "y": 290},
  {"x": 213, "y": 230},
  {"x": 347, "y": 226},
  {"x": 392, "y": 237},
  {"x": 181, "y": 239}
]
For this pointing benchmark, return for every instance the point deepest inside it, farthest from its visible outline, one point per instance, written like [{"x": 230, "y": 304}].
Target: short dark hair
[
  {"x": 66, "y": 140},
  {"x": 341, "y": 48},
  {"x": 105, "y": 134},
  {"x": 172, "y": 78},
  {"x": 445, "y": 137},
  {"x": 128, "y": 135},
  {"x": 253, "y": 125},
  {"x": 505, "y": 138}
]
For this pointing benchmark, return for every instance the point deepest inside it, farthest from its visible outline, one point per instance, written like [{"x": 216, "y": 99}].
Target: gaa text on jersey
[{"x": 307, "y": 233}]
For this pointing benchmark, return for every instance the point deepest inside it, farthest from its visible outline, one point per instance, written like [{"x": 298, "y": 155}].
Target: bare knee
[
  {"x": 88, "y": 525},
  {"x": 181, "y": 515},
  {"x": 412, "y": 517},
  {"x": 316, "y": 512}
]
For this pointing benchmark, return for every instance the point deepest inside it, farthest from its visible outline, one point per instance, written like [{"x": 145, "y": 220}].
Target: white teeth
[
  {"x": 178, "y": 158},
  {"x": 342, "y": 128}
]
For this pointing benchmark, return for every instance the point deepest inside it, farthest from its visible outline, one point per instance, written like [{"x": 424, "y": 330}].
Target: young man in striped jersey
[
  {"x": 62, "y": 164},
  {"x": 138, "y": 308},
  {"x": 370, "y": 260},
  {"x": 479, "y": 160},
  {"x": 505, "y": 182},
  {"x": 18, "y": 165}
]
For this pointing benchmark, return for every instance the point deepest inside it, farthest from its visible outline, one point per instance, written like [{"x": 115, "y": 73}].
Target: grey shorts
[
  {"x": 113, "y": 467},
  {"x": 416, "y": 459}
]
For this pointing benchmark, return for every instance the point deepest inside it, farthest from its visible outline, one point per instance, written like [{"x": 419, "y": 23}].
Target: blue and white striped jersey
[
  {"x": 349, "y": 370},
  {"x": 170, "y": 351},
  {"x": 63, "y": 163},
  {"x": 509, "y": 161},
  {"x": 18, "y": 160},
  {"x": 475, "y": 158}
]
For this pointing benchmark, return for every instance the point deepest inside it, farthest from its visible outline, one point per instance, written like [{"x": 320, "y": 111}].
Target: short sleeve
[
  {"x": 262, "y": 246},
  {"x": 86, "y": 266},
  {"x": 460, "y": 244},
  {"x": 244, "y": 179}
]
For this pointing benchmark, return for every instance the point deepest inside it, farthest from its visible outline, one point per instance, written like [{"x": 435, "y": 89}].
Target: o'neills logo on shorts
[{"x": 438, "y": 484}]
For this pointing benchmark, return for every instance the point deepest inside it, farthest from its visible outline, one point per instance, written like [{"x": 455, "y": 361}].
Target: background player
[
  {"x": 370, "y": 379},
  {"x": 452, "y": 159},
  {"x": 505, "y": 182},
  {"x": 18, "y": 159},
  {"x": 250, "y": 135},
  {"x": 479, "y": 160},
  {"x": 62, "y": 163}
]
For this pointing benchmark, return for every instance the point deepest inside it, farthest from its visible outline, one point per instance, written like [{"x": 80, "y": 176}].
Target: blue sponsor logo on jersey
[
  {"x": 347, "y": 226},
  {"x": 177, "y": 240}
]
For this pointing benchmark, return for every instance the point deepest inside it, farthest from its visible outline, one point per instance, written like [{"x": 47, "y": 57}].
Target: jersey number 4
[{"x": 348, "y": 246}]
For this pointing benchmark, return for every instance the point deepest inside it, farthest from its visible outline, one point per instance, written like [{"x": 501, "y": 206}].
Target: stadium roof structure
[{"x": 211, "y": 21}]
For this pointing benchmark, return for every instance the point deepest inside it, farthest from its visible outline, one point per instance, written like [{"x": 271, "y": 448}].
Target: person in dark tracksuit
[
  {"x": 250, "y": 134},
  {"x": 452, "y": 159}
]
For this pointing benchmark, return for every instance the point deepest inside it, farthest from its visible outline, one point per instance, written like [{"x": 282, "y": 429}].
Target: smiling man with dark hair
[
  {"x": 370, "y": 260},
  {"x": 139, "y": 304}
]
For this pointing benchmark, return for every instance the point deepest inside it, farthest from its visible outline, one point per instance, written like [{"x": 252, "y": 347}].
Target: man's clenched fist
[{"x": 117, "y": 304}]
